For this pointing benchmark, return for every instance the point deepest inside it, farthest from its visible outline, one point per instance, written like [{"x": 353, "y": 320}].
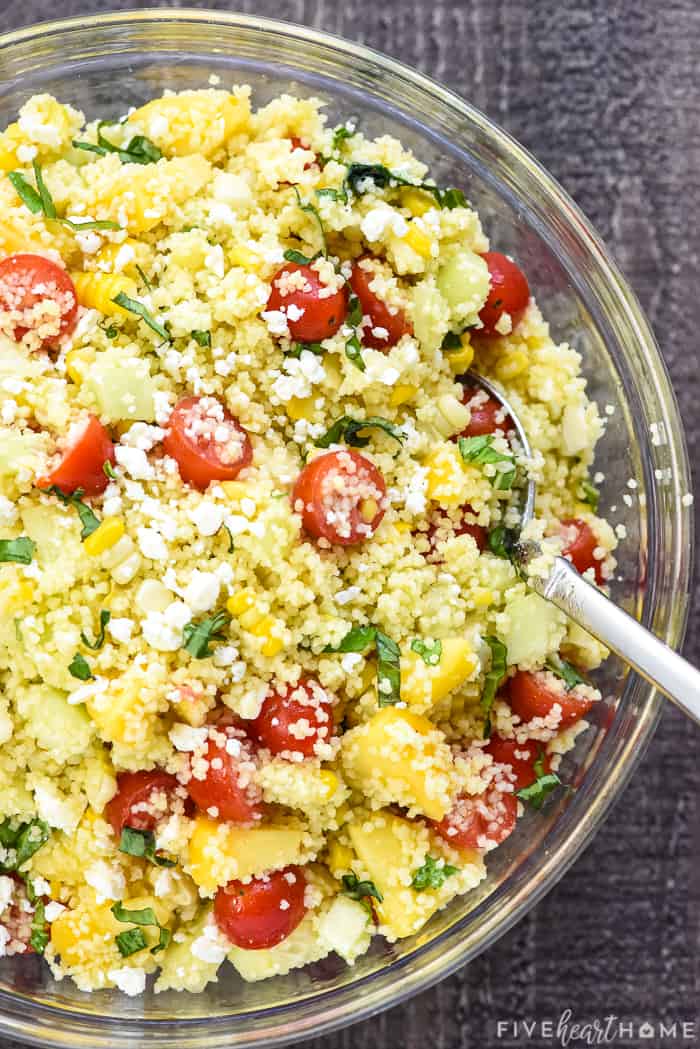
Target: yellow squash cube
[
  {"x": 423, "y": 685},
  {"x": 399, "y": 756},
  {"x": 219, "y": 852}
]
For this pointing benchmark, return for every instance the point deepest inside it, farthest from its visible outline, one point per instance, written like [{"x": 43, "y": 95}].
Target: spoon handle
[{"x": 617, "y": 630}]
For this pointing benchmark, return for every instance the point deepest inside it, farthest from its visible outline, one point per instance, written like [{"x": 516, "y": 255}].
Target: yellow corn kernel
[
  {"x": 482, "y": 597},
  {"x": 368, "y": 510},
  {"x": 329, "y": 781},
  {"x": 416, "y": 201},
  {"x": 402, "y": 526},
  {"x": 10, "y": 139},
  {"x": 242, "y": 601},
  {"x": 401, "y": 394},
  {"x": 272, "y": 647},
  {"x": 16, "y": 594},
  {"x": 339, "y": 859},
  {"x": 300, "y": 408},
  {"x": 511, "y": 364},
  {"x": 107, "y": 535},
  {"x": 191, "y": 707},
  {"x": 78, "y": 363},
  {"x": 241, "y": 256},
  {"x": 444, "y": 476},
  {"x": 97, "y": 291},
  {"x": 419, "y": 241},
  {"x": 462, "y": 359}
]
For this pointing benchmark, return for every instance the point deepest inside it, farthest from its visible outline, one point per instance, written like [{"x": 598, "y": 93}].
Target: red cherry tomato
[
  {"x": 88, "y": 447},
  {"x": 139, "y": 801},
  {"x": 487, "y": 415},
  {"x": 312, "y": 314},
  {"x": 261, "y": 913},
  {"x": 227, "y": 783},
  {"x": 298, "y": 144},
  {"x": 332, "y": 492},
  {"x": 580, "y": 542},
  {"x": 509, "y": 293},
  {"x": 28, "y": 280},
  {"x": 532, "y": 696},
  {"x": 479, "y": 822},
  {"x": 442, "y": 527},
  {"x": 295, "y": 718},
  {"x": 380, "y": 316},
  {"x": 521, "y": 757},
  {"x": 206, "y": 441}
]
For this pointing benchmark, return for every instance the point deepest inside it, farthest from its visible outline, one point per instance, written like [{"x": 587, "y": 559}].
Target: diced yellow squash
[
  {"x": 402, "y": 394},
  {"x": 10, "y": 139},
  {"x": 422, "y": 686},
  {"x": 219, "y": 852},
  {"x": 399, "y": 756},
  {"x": 461, "y": 360},
  {"x": 16, "y": 593},
  {"x": 339, "y": 858},
  {"x": 416, "y": 201},
  {"x": 419, "y": 241},
  {"x": 143, "y": 195},
  {"x": 451, "y": 481},
  {"x": 300, "y": 408},
  {"x": 192, "y": 121},
  {"x": 181, "y": 970},
  {"x": 105, "y": 536},
  {"x": 78, "y": 363},
  {"x": 120, "y": 712},
  {"x": 391, "y": 849},
  {"x": 301, "y": 947}
]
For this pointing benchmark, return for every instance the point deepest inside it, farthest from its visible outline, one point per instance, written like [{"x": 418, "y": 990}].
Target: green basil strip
[
  {"x": 20, "y": 551},
  {"x": 432, "y": 874},
  {"x": 493, "y": 679}
]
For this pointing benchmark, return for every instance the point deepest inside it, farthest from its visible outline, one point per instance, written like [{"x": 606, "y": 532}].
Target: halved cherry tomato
[
  {"x": 531, "y": 696},
  {"x": 479, "y": 822},
  {"x": 295, "y": 718},
  {"x": 206, "y": 441},
  {"x": 227, "y": 785},
  {"x": 261, "y": 913},
  {"x": 520, "y": 756},
  {"x": 312, "y": 314},
  {"x": 138, "y": 802},
  {"x": 441, "y": 527},
  {"x": 380, "y": 316},
  {"x": 487, "y": 415},
  {"x": 580, "y": 542},
  {"x": 88, "y": 447},
  {"x": 509, "y": 293},
  {"x": 341, "y": 497},
  {"x": 28, "y": 280}
]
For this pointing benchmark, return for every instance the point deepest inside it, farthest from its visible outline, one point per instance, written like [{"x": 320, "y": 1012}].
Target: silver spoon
[{"x": 591, "y": 609}]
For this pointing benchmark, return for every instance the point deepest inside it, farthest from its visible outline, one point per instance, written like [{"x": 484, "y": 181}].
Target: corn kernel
[
  {"x": 462, "y": 359},
  {"x": 329, "y": 781},
  {"x": 16, "y": 594},
  {"x": 78, "y": 363},
  {"x": 104, "y": 537},
  {"x": 126, "y": 571},
  {"x": 482, "y": 597},
  {"x": 511, "y": 365},
  {"x": 401, "y": 394},
  {"x": 419, "y": 241},
  {"x": 402, "y": 526},
  {"x": 368, "y": 510},
  {"x": 272, "y": 647},
  {"x": 242, "y": 601},
  {"x": 244, "y": 257},
  {"x": 121, "y": 550},
  {"x": 339, "y": 858},
  {"x": 257, "y": 624},
  {"x": 300, "y": 408},
  {"x": 416, "y": 201}
]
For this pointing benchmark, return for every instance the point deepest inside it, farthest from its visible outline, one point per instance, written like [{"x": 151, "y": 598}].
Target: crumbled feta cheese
[
  {"x": 202, "y": 591},
  {"x": 130, "y": 980},
  {"x": 107, "y": 880},
  {"x": 135, "y": 462},
  {"x": 212, "y": 946},
  {"x": 187, "y": 738},
  {"x": 53, "y": 909},
  {"x": 207, "y": 517},
  {"x": 151, "y": 544},
  {"x": 7, "y": 888},
  {"x": 121, "y": 628}
]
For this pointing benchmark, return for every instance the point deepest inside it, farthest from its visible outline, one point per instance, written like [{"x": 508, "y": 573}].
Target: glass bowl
[{"x": 104, "y": 64}]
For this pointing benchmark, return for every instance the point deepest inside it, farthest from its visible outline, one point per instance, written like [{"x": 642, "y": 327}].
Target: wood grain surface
[{"x": 606, "y": 93}]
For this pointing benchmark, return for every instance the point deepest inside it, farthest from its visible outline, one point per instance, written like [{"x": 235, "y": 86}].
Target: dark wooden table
[{"x": 606, "y": 93}]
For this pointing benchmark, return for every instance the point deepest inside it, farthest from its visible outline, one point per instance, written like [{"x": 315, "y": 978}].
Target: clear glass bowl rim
[{"x": 50, "y": 1026}]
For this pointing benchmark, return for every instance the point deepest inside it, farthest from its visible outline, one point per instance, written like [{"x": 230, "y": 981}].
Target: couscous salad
[{"x": 269, "y": 683}]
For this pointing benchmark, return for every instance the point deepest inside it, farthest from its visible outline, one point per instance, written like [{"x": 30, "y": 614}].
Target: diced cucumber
[
  {"x": 463, "y": 282},
  {"x": 63, "y": 730},
  {"x": 122, "y": 386}
]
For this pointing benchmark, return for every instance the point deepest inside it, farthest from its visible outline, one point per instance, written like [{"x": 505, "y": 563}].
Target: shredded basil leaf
[
  {"x": 80, "y": 668},
  {"x": 202, "y": 338},
  {"x": 27, "y": 194},
  {"x": 569, "y": 674},
  {"x": 429, "y": 651},
  {"x": 144, "y": 916},
  {"x": 140, "y": 149},
  {"x": 89, "y": 520},
  {"x": 197, "y": 636},
  {"x": 20, "y": 551},
  {"x": 144, "y": 279},
  {"x": 292, "y": 255},
  {"x": 136, "y": 307},
  {"x": 310, "y": 209},
  {"x": 339, "y": 195},
  {"x": 432, "y": 875},
  {"x": 40, "y": 936},
  {"x": 354, "y": 316},
  {"x": 590, "y": 495},
  {"x": 362, "y": 891},
  {"x": 142, "y": 843},
  {"x": 501, "y": 541},
  {"x": 493, "y": 679},
  {"x": 452, "y": 341},
  {"x": 105, "y": 616},
  {"x": 130, "y": 942},
  {"x": 480, "y": 450},
  {"x": 356, "y": 640},
  {"x": 47, "y": 204},
  {"x": 231, "y": 545},
  {"x": 360, "y": 177},
  {"x": 40, "y": 199},
  {"x": 19, "y": 842},
  {"x": 111, "y": 331},
  {"x": 388, "y": 670},
  {"x": 341, "y": 134},
  {"x": 299, "y": 347},
  {"x": 545, "y": 783},
  {"x": 350, "y": 430}
]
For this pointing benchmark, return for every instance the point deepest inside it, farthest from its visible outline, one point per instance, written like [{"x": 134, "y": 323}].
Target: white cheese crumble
[
  {"x": 107, "y": 880},
  {"x": 129, "y": 980},
  {"x": 135, "y": 462}
]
